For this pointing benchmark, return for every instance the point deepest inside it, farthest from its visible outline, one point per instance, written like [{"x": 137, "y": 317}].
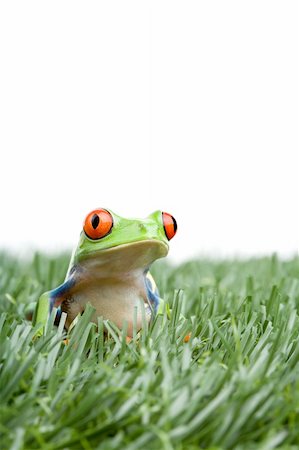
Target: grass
[{"x": 235, "y": 385}]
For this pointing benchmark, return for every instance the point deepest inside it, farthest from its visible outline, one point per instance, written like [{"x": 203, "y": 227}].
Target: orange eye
[
  {"x": 170, "y": 225},
  {"x": 98, "y": 224}
]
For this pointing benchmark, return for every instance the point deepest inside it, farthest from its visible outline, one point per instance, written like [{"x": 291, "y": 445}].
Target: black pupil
[{"x": 95, "y": 220}]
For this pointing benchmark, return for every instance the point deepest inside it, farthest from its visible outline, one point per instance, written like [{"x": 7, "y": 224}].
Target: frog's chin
[{"x": 127, "y": 257}]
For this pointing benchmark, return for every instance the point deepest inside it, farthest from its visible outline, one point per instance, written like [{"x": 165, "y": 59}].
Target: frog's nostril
[{"x": 170, "y": 225}]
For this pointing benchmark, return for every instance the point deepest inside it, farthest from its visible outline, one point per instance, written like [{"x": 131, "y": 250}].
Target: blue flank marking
[
  {"x": 60, "y": 291},
  {"x": 152, "y": 295}
]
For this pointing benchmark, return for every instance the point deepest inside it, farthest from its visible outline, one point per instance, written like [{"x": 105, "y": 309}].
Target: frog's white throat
[
  {"x": 123, "y": 259},
  {"x": 113, "y": 281}
]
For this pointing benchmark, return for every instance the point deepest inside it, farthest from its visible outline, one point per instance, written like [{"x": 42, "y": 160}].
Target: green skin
[{"x": 112, "y": 274}]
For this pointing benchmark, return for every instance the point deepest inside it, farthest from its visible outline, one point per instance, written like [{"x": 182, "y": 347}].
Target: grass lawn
[{"x": 234, "y": 385}]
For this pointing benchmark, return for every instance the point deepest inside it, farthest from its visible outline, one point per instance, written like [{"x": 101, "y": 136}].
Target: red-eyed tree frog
[{"x": 110, "y": 270}]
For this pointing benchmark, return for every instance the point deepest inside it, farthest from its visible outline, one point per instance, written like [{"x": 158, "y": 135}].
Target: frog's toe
[{"x": 187, "y": 338}]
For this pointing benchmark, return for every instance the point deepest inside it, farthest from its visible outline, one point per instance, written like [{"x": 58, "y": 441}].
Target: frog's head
[{"x": 108, "y": 237}]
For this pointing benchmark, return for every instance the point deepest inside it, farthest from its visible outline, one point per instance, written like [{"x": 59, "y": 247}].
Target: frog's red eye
[
  {"x": 98, "y": 224},
  {"x": 170, "y": 225}
]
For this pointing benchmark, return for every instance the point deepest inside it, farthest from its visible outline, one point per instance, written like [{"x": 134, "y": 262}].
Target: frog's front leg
[
  {"x": 47, "y": 301},
  {"x": 152, "y": 293},
  {"x": 157, "y": 302},
  {"x": 41, "y": 312}
]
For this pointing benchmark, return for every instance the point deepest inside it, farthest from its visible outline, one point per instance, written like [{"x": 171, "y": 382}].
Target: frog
[{"x": 110, "y": 269}]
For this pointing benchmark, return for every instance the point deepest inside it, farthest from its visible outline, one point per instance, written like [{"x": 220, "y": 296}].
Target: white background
[{"x": 189, "y": 107}]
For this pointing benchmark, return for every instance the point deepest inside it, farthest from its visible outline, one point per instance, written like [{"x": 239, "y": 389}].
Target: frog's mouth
[{"x": 127, "y": 257}]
